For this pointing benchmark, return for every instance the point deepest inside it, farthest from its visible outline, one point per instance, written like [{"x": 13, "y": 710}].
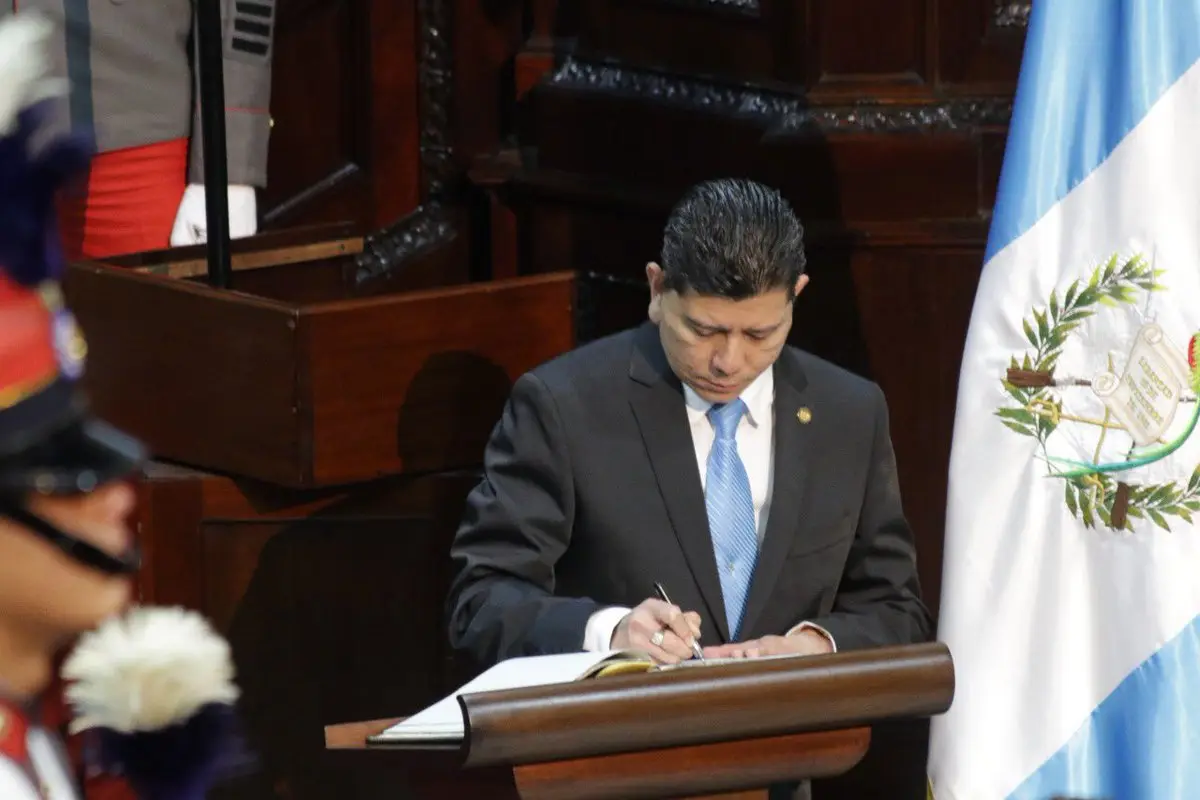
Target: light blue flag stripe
[
  {"x": 1141, "y": 741},
  {"x": 1090, "y": 72}
]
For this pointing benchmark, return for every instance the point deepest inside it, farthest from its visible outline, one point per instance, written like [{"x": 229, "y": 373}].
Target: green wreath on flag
[{"x": 1094, "y": 491}]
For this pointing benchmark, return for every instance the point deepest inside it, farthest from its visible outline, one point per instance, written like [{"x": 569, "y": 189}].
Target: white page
[
  {"x": 444, "y": 719},
  {"x": 717, "y": 662}
]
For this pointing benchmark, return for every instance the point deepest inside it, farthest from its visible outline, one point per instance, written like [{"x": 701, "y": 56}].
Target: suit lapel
[
  {"x": 791, "y": 460},
  {"x": 658, "y": 406}
]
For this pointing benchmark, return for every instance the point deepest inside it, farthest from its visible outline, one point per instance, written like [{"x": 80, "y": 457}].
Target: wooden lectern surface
[
  {"x": 733, "y": 702},
  {"x": 656, "y": 773},
  {"x": 683, "y": 733}
]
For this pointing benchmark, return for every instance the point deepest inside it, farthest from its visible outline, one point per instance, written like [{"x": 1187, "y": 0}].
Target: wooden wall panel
[
  {"x": 914, "y": 303},
  {"x": 740, "y": 39},
  {"x": 336, "y": 153},
  {"x": 846, "y": 45},
  {"x": 485, "y": 36},
  {"x": 979, "y": 44},
  {"x": 330, "y": 599},
  {"x": 380, "y": 106},
  {"x": 849, "y": 177},
  {"x": 857, "y": 44}
]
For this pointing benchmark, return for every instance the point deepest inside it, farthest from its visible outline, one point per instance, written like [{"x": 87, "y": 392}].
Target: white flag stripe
[{"x": 1045, "y": 617}]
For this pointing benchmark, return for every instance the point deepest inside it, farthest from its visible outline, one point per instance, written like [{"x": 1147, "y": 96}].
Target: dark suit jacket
[{"x": 592, "y": 493}]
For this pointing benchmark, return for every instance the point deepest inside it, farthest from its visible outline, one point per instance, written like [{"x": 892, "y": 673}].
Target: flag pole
[{"x": 209, "y": 63}]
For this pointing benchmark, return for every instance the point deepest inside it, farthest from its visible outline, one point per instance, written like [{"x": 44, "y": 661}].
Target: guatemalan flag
[{"x": 1071, "y": 591}]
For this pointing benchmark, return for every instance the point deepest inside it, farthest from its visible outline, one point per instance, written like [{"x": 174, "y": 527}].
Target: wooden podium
[
  {"x": 702, "y": 731},
  {"x": 300, "y": 377}
]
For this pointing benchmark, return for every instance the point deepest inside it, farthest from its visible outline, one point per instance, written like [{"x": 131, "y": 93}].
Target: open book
[{"x": 443, "y": 721}]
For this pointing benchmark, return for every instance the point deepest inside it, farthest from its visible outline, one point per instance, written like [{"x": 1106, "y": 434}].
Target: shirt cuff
[
  {"x": 597, "y": 635},
  {"x": 811, "y": 626}
]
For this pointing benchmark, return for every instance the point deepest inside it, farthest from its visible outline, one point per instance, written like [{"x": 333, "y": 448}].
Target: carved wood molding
[
  {"x": 1006, "y": 14},
  {"x": 784, "y": 113},
  {"x": 428, "y": 226},
  {"x": 749, "y": 8},
  {"x": 954, "y": 115},
  {"x": 435, "y": 72},
  {"x": 679, "y": 90},
  {"x": 418, "y": 233}
]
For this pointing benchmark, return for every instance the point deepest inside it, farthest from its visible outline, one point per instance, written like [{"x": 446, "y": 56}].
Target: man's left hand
[{"x": 802, "y": 643}]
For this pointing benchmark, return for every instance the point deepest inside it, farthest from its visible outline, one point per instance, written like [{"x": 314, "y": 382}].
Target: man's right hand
[{"x": 679, "y": 630}]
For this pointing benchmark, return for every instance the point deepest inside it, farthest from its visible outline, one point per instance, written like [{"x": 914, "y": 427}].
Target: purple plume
[
  {"x": 30, "y": 247},
  {"x": 179, "y": 762}
]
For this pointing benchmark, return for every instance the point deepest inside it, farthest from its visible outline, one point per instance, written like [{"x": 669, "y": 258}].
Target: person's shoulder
[
  {"x": 832, "y": 379},
  {"x": 600, "y": 360}
]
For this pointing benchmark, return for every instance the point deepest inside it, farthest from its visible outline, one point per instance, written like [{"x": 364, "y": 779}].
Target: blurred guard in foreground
[{"x": 155, "y": 683}]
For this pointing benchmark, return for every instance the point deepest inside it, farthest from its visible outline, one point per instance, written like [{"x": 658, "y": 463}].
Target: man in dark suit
[{"x": 754, "y": 481}]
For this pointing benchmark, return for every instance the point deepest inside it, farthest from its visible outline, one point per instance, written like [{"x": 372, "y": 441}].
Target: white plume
[
  {"x": 148, "y": 669},
  {"x": 24, "y": 66}
]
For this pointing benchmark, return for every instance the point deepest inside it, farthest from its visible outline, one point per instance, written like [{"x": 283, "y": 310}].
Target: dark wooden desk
[{"x": 668, "y": 770}]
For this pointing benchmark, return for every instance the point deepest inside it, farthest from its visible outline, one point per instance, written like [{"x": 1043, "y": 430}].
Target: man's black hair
[{"x": 732, "y": 238}]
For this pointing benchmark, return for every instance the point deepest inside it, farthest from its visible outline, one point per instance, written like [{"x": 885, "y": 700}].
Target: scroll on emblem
[{"x": 1145, "y": 397}]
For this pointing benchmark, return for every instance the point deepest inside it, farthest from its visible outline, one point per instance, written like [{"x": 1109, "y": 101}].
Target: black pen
[{"x": 662, "y": 595}]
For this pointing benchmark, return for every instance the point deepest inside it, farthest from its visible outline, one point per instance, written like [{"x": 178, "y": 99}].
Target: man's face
[
  {"x": 44, "y": 591},
  {"x": 716, "y": 345}
]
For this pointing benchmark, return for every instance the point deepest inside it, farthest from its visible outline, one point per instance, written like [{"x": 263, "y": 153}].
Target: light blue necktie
[{"x": 730, "y": 513}]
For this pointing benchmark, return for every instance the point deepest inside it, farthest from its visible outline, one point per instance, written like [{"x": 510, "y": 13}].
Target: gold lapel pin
[{"x": 804, "y": 415}]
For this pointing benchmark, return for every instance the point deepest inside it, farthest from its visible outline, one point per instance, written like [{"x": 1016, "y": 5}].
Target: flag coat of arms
[{"x": 1071, "y": 576}]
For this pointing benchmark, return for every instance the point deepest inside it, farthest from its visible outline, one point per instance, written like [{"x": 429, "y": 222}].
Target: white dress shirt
[{"x": 756, "y": 447}]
